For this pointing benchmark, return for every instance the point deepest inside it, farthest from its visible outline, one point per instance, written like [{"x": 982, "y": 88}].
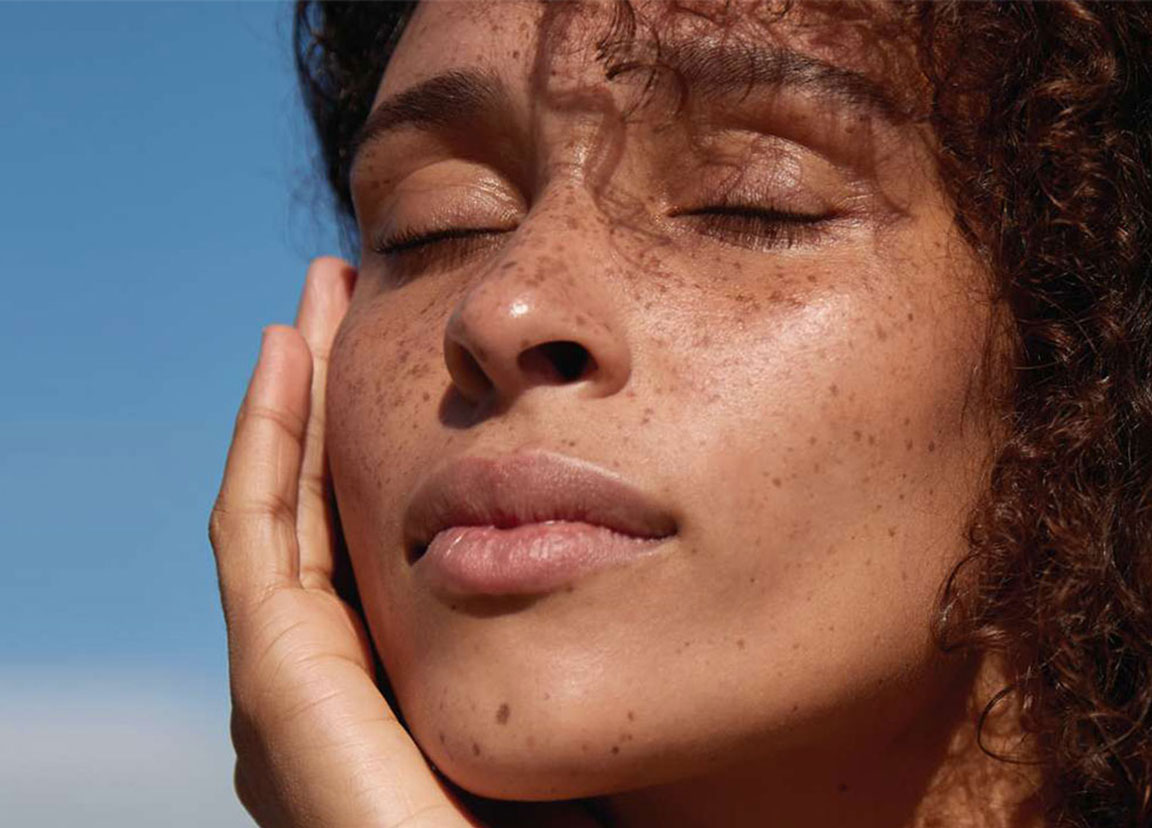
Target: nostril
[
  {"x": 467, "y": 373},
  {"x": 557, "y": 362}
]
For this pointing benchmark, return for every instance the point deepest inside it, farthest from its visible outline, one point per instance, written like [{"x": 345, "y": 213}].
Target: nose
[{"x": 536, "y": 318}]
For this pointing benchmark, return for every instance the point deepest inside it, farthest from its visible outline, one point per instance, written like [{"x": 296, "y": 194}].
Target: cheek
[
  {"x": 385, "y": 377},
  {"x": 832, "y": 473}
]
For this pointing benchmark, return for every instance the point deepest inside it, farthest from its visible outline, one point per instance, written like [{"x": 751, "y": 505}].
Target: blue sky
[{"x": 159, "y": 208}]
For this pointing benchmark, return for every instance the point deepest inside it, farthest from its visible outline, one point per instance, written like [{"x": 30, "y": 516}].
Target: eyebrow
[
  {"x": 440, "y": 102},
  {"x": 720, "y": 68},
  {"x": 705, "y": 68}
]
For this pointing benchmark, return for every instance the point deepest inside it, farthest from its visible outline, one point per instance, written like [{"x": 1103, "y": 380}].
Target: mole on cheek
[{"x": 502, "y": 714}]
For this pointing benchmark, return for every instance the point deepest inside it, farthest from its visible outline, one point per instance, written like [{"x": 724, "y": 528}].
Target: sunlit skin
[
  {"x": 772, "y": 328},
  {"x": 797, "y": 402}
]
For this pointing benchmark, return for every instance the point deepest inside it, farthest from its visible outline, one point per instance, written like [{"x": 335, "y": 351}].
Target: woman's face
[{"x": 732, "y": 284}]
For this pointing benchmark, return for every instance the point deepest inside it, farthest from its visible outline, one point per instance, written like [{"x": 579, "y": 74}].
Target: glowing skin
[{"x": 801, "y": 403}]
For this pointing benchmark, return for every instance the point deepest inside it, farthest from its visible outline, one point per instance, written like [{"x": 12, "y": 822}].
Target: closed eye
[
  {"x": 411, "y": 253},
  {"x": 408, "y": 240},
  {"x": 758, "y": 228}
]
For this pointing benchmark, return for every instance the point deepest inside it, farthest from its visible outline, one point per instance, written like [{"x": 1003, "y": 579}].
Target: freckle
[
  {"x": 475, "y": 749},
  {"x": 856, "y": 435},
  {"x": 871, "y": 439},
  {"x": 426, "y": 396},
  {"x": 931, "y": 446},
  {"x": 752, "y": 579},
  {"x": 907, "y": 421},
  {"x": 631, "y": 715},
  {"x": 842, "y": 787},
  {"x": 441, "y": 737},
  {"x": 740, "y": 643},
  {"x": 833, "y": 389},
  {"x": 909, "y": 316},
  {"x": 881, "y": 334},
  {"x": 580, "y": 320},
  {"x": 776, "y": 482},
  {"x": 502, "y": 714},
  {"x": 547, "y": 696},
  {"x": 867, "y": 562},
  {"x": 584, "y": 748},
  {"x": 891, "y": 531},
  {"x": 908, "y": 445},
  {"x": 615, "y": 748},
  {"x": 812, "y": 441},
  {"x": 795, "y": 708},
  {"x": 812, "y": 278},
  {"x": 903, "y": 576}
]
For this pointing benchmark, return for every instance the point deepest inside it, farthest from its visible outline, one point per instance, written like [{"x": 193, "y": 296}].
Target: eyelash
[
  {"x": 413, "y": 251},
  {"x": 756, "y": 228}
]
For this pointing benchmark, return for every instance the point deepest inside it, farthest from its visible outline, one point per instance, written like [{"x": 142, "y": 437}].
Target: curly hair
[{"x": 1042, "y": 114}]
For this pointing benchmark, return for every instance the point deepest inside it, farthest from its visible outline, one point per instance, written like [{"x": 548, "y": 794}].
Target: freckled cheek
[{"x": 382, "y": 380}]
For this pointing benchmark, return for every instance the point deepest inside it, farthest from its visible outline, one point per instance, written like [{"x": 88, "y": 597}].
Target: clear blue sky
[{"x": 158, "y": 209}]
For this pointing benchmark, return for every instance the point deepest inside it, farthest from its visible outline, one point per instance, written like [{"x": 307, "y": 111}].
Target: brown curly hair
[{"x": 1042, "y": 114}]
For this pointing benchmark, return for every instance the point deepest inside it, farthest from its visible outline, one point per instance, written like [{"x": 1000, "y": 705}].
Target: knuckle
[
  {"x": 314, "y": 486},
  {"x": 287, "y": 422},
  {"x": 276, "y": 511},
  {"x": 321, "y": 352},
  {"x": 261, "y": 517},
  {"x": 218, "y": 526}
]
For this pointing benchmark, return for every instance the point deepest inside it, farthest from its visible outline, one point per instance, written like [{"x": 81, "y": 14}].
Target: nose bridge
[{"x": 542, "y": 312}]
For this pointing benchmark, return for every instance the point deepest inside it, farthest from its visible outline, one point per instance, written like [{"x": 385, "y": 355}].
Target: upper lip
[{"x": 529, "y": 487}]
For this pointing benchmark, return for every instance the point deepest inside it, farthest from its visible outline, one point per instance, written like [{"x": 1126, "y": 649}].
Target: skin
[{"x": 804, "y": 410}]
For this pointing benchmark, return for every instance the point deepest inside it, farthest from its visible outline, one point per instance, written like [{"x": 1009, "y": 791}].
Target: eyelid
[
  {"x": 408, "y": 239},
  {"x": 417, "y": 253},
  {"x": 760, "y": 227}
]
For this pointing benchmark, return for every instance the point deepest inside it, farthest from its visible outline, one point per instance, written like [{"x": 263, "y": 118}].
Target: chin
[{"x": 553, "y": 748}]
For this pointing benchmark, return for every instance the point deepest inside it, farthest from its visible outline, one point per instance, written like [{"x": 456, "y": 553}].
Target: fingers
[
  {"x": 253, "y": 524},
  {"x": 324, "y": 302}
]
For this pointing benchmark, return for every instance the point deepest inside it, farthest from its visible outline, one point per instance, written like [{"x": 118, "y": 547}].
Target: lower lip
[{"x": 527, "y": 560}]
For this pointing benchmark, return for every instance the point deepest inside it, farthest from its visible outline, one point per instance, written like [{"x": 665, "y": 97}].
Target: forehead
[{"x": 552, "y": 45}]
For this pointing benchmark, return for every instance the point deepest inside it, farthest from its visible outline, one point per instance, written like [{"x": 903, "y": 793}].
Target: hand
[{"x": 316, "y": 742}]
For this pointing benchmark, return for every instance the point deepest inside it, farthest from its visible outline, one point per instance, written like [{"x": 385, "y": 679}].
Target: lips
[{"x": 526, "y": 522}]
